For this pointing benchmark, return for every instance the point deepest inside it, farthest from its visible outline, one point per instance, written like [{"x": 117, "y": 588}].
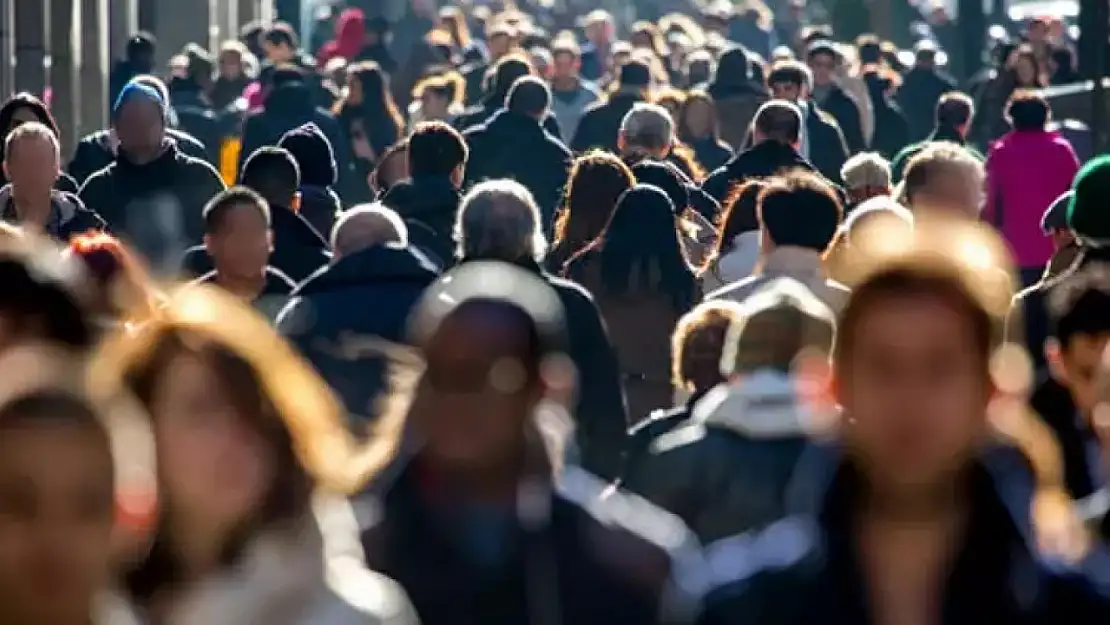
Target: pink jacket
[{"x": 1026, "y": 171}]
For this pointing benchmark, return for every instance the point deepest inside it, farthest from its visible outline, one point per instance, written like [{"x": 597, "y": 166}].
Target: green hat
[{"x": 1088, "y": 216}]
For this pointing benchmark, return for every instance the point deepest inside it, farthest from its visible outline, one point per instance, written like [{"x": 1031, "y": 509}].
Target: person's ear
[
  {"x": 295, "y": 204},
  {"x": 1054, "y": 355}
]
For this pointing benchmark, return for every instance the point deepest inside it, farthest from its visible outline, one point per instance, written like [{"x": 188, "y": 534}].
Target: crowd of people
[{"x": 520, "y": 322}]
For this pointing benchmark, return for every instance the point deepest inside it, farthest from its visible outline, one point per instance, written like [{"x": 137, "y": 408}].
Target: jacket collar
[
  {"x": 381, "y": 263},
  {"x": 762, "y": 405},
  {"x": 794, "y": 262},
  {"x": 62, "y": 209}
]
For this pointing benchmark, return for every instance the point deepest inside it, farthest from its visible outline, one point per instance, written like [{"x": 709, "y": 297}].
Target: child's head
[
  {"x": 56, "y": 507},
  {"x": 1079, "y": 314}
]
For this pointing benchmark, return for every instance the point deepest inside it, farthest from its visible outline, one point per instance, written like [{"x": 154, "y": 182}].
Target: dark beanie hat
[
  {"x": 1087, "y": 214},
  {"x": 313, "y": 153},
  {"x": 634, "y": 74}
]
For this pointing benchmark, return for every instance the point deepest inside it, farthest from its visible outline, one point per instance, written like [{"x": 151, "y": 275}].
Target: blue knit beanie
[{"x": 138, "y": 90}]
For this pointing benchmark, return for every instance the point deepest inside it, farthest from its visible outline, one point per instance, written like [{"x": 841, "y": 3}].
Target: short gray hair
[
  {"x": 647, "y": 126},
  {"x": 499, "y": 219},
  {"x": 866, "y": 169},
  {"x": 365, "y": 226}
]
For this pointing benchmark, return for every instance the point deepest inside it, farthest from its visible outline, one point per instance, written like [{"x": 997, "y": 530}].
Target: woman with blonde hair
[
  {"x": 254, "y": 462},
  {"x": 437, "y": 98}
]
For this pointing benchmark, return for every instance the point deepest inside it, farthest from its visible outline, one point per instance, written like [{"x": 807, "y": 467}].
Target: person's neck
[
  {"x": 247, "y": 287},
  {"x": 565, "y": 83},
  {"x": 31, "y": 208}
]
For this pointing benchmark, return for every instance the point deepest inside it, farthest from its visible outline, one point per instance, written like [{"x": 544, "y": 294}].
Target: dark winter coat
[
  {"x": 68, "y": 218},
  {"x": 736, "y": 107},
  {"x": 95, "y": 152},
  {"x": 803, "y": 570},
  {"x": 287, "y": 108},
  {"x": 846, "y": 111},
  {"x": 711, "y": 152},
  {"x": 588, "y": 558},
  {"x": 513, "y": 145},
  {"x": 320, "y": 206},
  {"x": 891, "y": 129},
  {"x": 299, "y": 250},
  {"x": 157, "y": 208},
  {"x": 828, "y": 149},
  {"x": 761, "y": 161},
  {"x": 365, "y": 296},
  {"x": 918, "y": 96},
  {"x": 482, "y": 113},
  {"x": 601, "y": 123},
  {"x": 197, "y": 116},
  {"x": 429, "y": 206}
]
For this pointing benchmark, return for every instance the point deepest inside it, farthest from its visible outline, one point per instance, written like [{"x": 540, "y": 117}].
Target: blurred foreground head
[
  {"x": 493, "y": 340},
  {"x": 44, "y": 296}
]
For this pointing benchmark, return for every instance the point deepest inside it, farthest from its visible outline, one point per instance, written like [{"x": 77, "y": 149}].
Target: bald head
[{"x": 364, "y": 227}]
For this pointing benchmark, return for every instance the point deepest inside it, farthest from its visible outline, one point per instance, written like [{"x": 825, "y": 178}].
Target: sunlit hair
[
  {"x": 247, "y": 60},
  {"x": 938, "y": 157},
  {"x": 376, "y": 97},
  {"x": 739, "y": 214},
  {"x": 123, "y": 284},
  {"x": 697, "y": 343},
  {"x": 682, "y": 23},
  {"x": 866, "y": 170},
  {"x": 499, "y": 220},
  {"x": 454, "y": 22},
  {"x": 397, "y": 150},
  {"x": 9, "y": 232},
  {"x": 597, "y": 179},
  {"x": 31, "y": 131},
  {"x": 646, "y": 35},
  {"x": 449, "y": 85}
]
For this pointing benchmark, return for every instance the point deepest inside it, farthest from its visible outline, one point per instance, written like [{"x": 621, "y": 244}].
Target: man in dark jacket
[
  {"x": 776, "y": 134},
  {"x": 99, "y": 149},
  {"x": 319, "y": 172},
  {"x": 282, "y": 48},
  {"x": 152, "y": 196},
  {"x": 499, "y": 220},
  {"x": 289, "y": 105},
  {"x": 299, "y": 250},
  {"x": 601, "y": 123},
  {"x": 191, "y": 105},
  {"x": 921, "y": 90},
  {"x": 342, "y": 315},
  {"x": 138, "y": 60},
  {"x": 507, "y": 71},
  {"x": 823, "y": 60},
  {"x": 429, "y": 200},
  {"x": 32, "y": 163},
  {"x": 952, "y": 122},
  {"x": 497, "y": 147},
  {"x": 822, "y": 142},
  {"x": 726, "y": 471}
]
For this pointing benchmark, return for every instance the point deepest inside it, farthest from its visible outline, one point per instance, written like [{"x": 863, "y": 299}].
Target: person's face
[
  {"x": 56, "y": 521},
  {"x": 32, "y": 165},
  {"x": 476, "y": 394},
  {"x": 951, "y": 191},
  {"x": 699, "y": 118},
  {"x": 1025, "y": 70},
  {"x": 22, "y": 115},
  {"x": 241, "y": 245},
  {"x": 499, "y": 45},
  {"x": 231, "y": 65},
  {"x": 276, "y": 53},
  {"x": 140, "y": 126},
  {"x": 1076, "y": 365},
  {"x": 823, "y": 67},
  {"x": 786, "y": 91},
  {"x": 354, "y": 90},
  {"x": 215, "y": 467},
  {"x": 565, "y": 66},
  {"x": 434, "y": 105},
  {"x": 915, "y": 401},
  {"x": 599, "y": 32}
]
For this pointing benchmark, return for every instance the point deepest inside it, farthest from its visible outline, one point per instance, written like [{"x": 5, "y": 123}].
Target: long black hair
[
  {"x": 19, "y": 101},
  {"x": 640, "y": 249}
]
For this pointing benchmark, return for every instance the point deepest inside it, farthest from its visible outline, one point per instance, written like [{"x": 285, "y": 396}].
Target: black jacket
[
  {"x": 828, "y": 150},
  {"x": 429, "y": 205},
  {"x": 157, "y": 207},
  {"x": 94, "y": 152},
  {"x": 320, "y": 206},
  {"x": 287, "y": 108},
  {"x": 69, "y": 216},
  {"x": 802, "y": 569},
  {"x": 196, "y": 116},
  {"x": 513, "y": 145},
  {"x": 846, "y": 111},
  {"x": 367, "y": 295},
  {"x": 482, "y": 113},
  {"x": 586, "y": 559},
  {"x": 918, "y": 96},
  {"x": 765, "y": 159},
  {"x": 601, "y": 123},
  {"x": 726, "y": 470},
  {"x": 891, "y": 129},
  {"x": 299, "y": 250},
  {"x": 711, "y": 152}
]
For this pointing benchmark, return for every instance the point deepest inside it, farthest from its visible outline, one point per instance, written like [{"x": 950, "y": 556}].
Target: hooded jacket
[
  {"x": 69, "y": 217},
  {"x": 156, "y": 207},
  {"x": 495, "y": 152},
  {"x": 287, "y": 108},
  {"x": 97, "y": 151},
  {"x": 429, "y": 205},
  {"x": 727, "y": 468},
  {"x": 357, "y": 299}
]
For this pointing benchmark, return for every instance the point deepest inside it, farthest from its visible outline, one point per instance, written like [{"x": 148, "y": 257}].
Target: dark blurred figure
[
  {"x": 1062, "y": 66},
  {"x": 891, "y": 132},
  {"x": 507, "y": 71},
  {"x": 699, "y": 128},
  {"x": 499, "y": 43},
  {"x": 822, "y": 142},
  {"x": 319, "y": 204},
  {"x": 499, "y": 220},
  {"x": 601, "y": 123},
  {"x": 45, "y": 298},
  {"x": 918, "y": 497},
  {"x": 366, "y": 294},
  {"x": 152, "y": 196},
  {"x": 32, "y": 163},
  {"x": 97, "y": 150},
  {"x": 600, "y": 31},
  {"x": 138, "y": 59},
  {"x": 497, "y": 146},
  {"x": 232, "y": 75},
  {"x": 866, "y": 175},
  {"x": 776, "y": 135},
  {"x": 250, "y": 35},
  {"x": 739, "y": 450},
  {"x": 429, "y": 200},
  {"x": 823, "y": 60},
  {"x": 1022, "y": 70},
  {"x": 478, "y": 510},
  {"x": 642, "y": 283},
  {"x": 298, "y": 250},
  {"x": 289, "y": 105},
  {"x": 191, "y": 105},
  {"x": 751, "y": 28},
  {"x": 921, "y": 90},
  {"x": 570, "y": 93},
  {"x": 376, "y": 47},
  {"x": 20, "y": 109},
  {"x": 281, "y": 47},
  {"x": 595, "y": 183},
  {"x": 371, "y": 121},
  {"x": 393, "y": 167},
  {"x": 238, "y": 238},
  {"x": 951, "y": 122}
]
